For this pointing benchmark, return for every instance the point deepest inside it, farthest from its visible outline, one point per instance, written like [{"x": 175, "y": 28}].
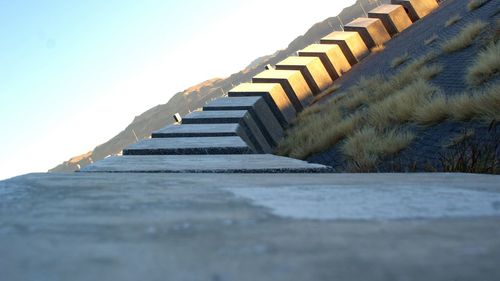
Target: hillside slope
[{"x": 195, "y": 97}]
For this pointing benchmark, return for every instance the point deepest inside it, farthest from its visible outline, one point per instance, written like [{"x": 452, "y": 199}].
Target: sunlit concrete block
[
  {"x": 273, "y": 94},
  {"x": 241, "y": 117},
  {"x": 311, "y": 68},
  {"x": 258, "y": 109},
  {"x": 332, "y": 57},
  {"x": 293, "y": 83},
  {"x": 417, "y": 9},
  {"x": 394, "y": 18},
  {"x": 372, "y": 31},
  {"x": 351, "y": 44}
]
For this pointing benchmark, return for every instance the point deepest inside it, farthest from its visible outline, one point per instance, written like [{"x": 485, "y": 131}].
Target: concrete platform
[
  {"x": 312, "y": 69},
  {"x": 417, "y": 9},
  {"x": 253, "y": 163},
  {"x": 294, "y": 84},
  {"x": 273, "y": 94},
  {"x": 258, "y": 109},
  {"x": 331, "y": 56},
  {"x": 241, "y": 117},
  {"x": 351, "y": 44},
  {"x": 393, "y": 17},
  {"x": 247, "y": 227},
  {"x": 179, "y": 146},
  {"x": 203, "y": 130},
  {"x": 372, "y": 31}
]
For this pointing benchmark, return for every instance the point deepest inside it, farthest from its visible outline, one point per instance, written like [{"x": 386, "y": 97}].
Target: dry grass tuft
[
  {"x": 465, "y": 37},
  {"x": 486, "y": 64},
  {"x": 432, "y": 111},
  {"x": 377, "y": 49},
  {"x": 431, "y": 39},
  {"x": 474, "y": 4},
  {"x": 400, "y": 60},
  {"x": 365, "y": 147},
  {"x": 451, "y": 21},
  {"x": 328, "y": 91}
]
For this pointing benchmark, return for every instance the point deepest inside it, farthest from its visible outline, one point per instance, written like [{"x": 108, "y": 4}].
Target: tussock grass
[
  {"x": 465, "y": 37},
  {"x": 400, "y": 60},
  {"x": 431, "y": 39},
  {"x": 328, "y": 91},
  {"x": 474, "y": 4},
  {"x": 485, "y": 65},
  {"x": 377, "y": 49},
  {"x": 451, "y": 21},
  {"x": 434, "y": 110},
  {"x": 366, "y": 146}
]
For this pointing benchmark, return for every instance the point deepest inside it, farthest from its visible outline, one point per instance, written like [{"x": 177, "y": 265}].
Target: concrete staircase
[{"x": 239, "y": 132}]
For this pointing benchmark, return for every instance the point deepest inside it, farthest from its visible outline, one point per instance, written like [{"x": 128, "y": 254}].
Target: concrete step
[
  {"x": 312, "y": 69},
  {"x": 394, "y": 18},
  {"x": 241, "y": 117},
  {"x": 371, "y": 30},
  {"x": 258, "y": 109},
  {"x": 331, "y": 56},
  {"x": 253, "y": 163},
  {"x": 203, "y": 130},
  {"x": 351, "y": 44},
  {"x": 179, "y": 146}
]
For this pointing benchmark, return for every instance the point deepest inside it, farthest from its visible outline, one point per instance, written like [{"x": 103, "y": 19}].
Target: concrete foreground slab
[
  {"x": 101, "y": 226},
  {"x": 372, "y": 31},
  {"x": 312, "y": 69},
  {"x": 258, "y": 109},
  {"x": 294, "y": 84},
  {"x": 256, "y": 163},
  {"x": 394, "y": 18},
  {"x": 242, "y": 117},
  {"x": 331, "y": 56},
  {"x": 201, "y": 145},
  {"x": 351, "y": 44},
  {"x": 417, "y": 9}
]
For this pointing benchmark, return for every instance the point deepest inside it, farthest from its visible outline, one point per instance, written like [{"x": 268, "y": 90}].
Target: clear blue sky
[{"x": 75, "y": 73}]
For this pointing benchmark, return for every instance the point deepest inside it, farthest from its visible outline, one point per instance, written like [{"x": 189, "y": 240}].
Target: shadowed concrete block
[
  {"x": 293, "y": 83},
  {"x": 273, "y": 94},
  {"x": 332, "y": 57},
  {"x": 176, "y": 146},
  {"x": 351, "y": 44},
  {"x": 372, "y": 31},
  {"x": 417, "y": 9},
  {"x": 248, "y": 163},
  {"x": 258, "y": 109},
  {"x": 312, "y": 69},
  {"x": 203, "y": 130},
  {"x": 393, "y": 17},
  {"x": 241, "y": 117}
]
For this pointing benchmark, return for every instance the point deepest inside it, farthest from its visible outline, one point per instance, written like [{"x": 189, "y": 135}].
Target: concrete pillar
[
  {"x": 393, "y": 17},
  {"x": 417, "y": 9},
  {"x": 312, "y": 69},
  {"x": 273, "y": 94},
  {"x": 293, "y": 83},
  {"x": 350, "y": 43},
  {"x": 372, "y": 31},
  {"x": 332, "y": 57}
]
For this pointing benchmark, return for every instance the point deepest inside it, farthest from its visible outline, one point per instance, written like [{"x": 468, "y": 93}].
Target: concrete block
[
  {"x": 258, "y": 109},
  {"x": 241, "y": 117},
  {"x": 312, "y": 69},
  {"x": 180, "y": 146},
  {"x": 417, "y": 9},
  {"x": 293, "y": 83},
  {"x": 232, "y": 163},
  {"x": 351, "y": 44},
  {"x": 331, "y": 56},
  {"x": 393, "y": 17},
  {"x": 203, "y": 130},
  {"x": 372, "y": 31}
]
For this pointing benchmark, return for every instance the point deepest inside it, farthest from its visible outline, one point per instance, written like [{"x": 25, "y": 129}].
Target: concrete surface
[
  {"x": 273, "y": 94},
  {"x": 251, "y": 163},
  {"x": 331, "y": 56},
  {"x": 372, "y": 31},
  {"x": 242, "y": 117},
  {"x": 351, "y": 44},
  {"x": 312, "y": 69},
  {"x": 237, "y": 227},
  {"x": 201, "y": 145},
  {"x": 394, "y": 18},
  {"x": 294, "y": 84},
  {"x": 258, "y": 109}
]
